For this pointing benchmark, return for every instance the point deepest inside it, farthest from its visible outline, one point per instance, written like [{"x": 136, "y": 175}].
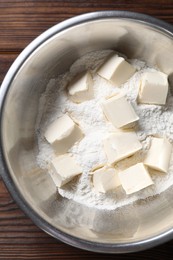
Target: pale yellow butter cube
[
  {"x": 81, "y": 88},
  {"x": 153, "y": 88},
  {"x": 64, "y": 169},
  {"x": 105, "y": 179},
  {"x": 62, "y": 134},
  {"x": 159, "y": 154},
  {"x": 135, "y": 178},
  {"x": 116, "y": 70},
  {"x": 120, "y": 145},
  {"x": 119, "y": 112}
]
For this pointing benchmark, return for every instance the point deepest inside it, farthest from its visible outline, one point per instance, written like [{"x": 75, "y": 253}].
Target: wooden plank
[
  {"x": 28, "y": 19},
  {"x": 6, "y": 60}
]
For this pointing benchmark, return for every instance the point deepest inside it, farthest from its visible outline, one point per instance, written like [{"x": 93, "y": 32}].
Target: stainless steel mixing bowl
[{"x": 131, "y": 228}]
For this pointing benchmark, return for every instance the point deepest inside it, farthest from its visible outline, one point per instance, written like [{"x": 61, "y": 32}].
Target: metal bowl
[{"x": 128, "y": 229}]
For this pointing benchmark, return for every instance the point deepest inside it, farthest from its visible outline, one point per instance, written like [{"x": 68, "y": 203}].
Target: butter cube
[
  {"x": 62, "y": 134},
  {"x": 153, "y": 88},
  {"x": 81, "y": 88},
  {"x": 119, "y": 112},
  {"x": 96, "y": 167},
  {"x": 64, "y": 169},
  {"x": 116, "y": 70},
  {"x": 135, "y": 178},
  {"x": 105, "y": 179},
  {"x": 121, "y": 145},
  {"x": 159, "y": 154}
]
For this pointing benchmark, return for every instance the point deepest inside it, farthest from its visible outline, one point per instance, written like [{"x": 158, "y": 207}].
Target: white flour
[{"x": 89, "y": 151}]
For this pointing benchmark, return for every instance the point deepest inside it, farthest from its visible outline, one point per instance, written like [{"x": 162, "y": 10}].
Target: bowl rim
[{"x": 5, "y": 172}]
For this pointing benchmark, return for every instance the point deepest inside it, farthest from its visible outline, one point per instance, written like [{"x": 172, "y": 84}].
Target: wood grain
[
  {"x": 27, "y": 19},
  {"x": 20, "y": 22}
]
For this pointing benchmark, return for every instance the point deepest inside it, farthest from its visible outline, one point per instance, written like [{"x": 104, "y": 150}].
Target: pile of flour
[{"x": 89, "y": 151}]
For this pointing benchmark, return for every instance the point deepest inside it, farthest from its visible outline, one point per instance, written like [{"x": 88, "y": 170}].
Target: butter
[
  {"x": 135, "y": 178},
  {"x": 116, "y": 70},
  {"x": 81, "y": 88},
  {"x": 62, "y": 134},
  {"x": 120, "y": 145},
  {"x": 105, "y": 179},
  {"x": 96, "y": 167},
  {"x": 159, "y": 154},
  {"x": 153, "y": 88},
  {"x": 119, "y": 112},
  {"x": 64, "y": 169}
]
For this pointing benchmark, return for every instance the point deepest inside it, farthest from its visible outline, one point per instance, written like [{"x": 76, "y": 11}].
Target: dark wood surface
[{"x": 20, "y": 22}]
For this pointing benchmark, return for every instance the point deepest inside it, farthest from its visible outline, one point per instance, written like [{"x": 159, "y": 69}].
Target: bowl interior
[{"x": 128, "y": 224}]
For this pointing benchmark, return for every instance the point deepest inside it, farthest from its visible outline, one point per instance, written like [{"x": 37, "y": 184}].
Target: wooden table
[{"x": 20, "y": 22}]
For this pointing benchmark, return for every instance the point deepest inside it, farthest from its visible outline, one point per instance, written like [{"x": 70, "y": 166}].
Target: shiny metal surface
[{"x": 128, "y": 229}]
